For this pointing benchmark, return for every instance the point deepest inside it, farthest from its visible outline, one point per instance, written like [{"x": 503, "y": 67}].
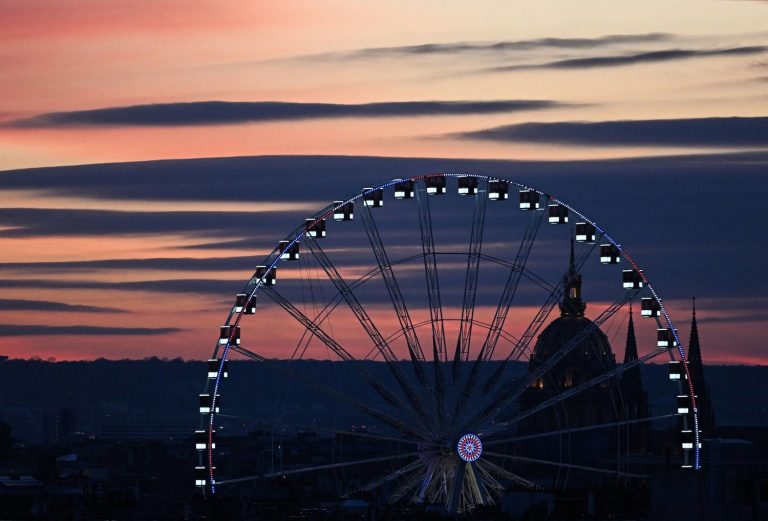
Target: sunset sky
[{"x": 651, "y": 117}]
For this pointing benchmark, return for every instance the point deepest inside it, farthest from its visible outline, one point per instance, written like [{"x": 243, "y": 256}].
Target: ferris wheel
[{"x": 436, "y": 340}]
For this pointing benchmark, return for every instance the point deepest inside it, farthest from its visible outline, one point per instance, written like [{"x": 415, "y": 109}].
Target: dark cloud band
[
  {"x": 694, "y": 132},
  {"x": 226, "y": 112},
  {"x": 48, "y": 306},
  {"x": 35, "y": 330},
  {"x": 633, "y": 59}
]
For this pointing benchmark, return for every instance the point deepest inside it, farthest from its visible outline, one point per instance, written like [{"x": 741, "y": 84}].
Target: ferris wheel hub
[{"x": 469, "y": 447}]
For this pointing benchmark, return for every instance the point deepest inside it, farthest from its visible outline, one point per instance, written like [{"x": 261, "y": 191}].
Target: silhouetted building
[
  {"x": 696, "y": 368},
  {"x": 634, "y": 396},
  {"x": 589, "y": 359}
]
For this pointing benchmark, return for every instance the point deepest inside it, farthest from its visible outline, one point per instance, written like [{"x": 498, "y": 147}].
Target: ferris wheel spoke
[
  {"x": 505, "y": 397},
  {"x": 392, "y": 475},
  {"x": 573, "y": 466},
  {"x": 340, "y": 351},
  {"x": 502, "y": 309},
  {"x": 368, "y": 325},
  {"x": 435, "y": 303},
  {"x": 401, "y": 310},
  {"x": 523, "y": 344},
  {"x": 506, "y": 474},
  {"x": 370, "y": 411},
  {"x": 358, "y": 434},
  {"x": 470, "y": 283},
  {"x": 316, "y": 468},
  {"x": 597, "y": 426},
  {"x": 408, "y": 485},
  {"x": 607, "y": 375}
]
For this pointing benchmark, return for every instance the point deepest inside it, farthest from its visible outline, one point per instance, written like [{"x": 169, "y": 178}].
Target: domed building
[{"x": 599, "y": 404}]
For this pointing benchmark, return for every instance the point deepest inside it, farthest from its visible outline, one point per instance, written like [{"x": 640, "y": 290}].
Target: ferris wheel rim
[{"x": 273, "y": 259}]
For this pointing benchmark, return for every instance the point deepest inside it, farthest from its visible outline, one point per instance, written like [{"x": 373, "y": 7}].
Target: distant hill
[{"x": 162, "y": 393}]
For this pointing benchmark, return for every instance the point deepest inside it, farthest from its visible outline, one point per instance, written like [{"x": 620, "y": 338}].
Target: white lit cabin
[
  {"x": 665, "y": 338},
  {"x": 288, "y": 251},
  {"x": 632, "y": 279},
  {"x": 268, "y": 278},
  {"x": 206, "y": 402},
  {"x": 498, "y": 190},
  {"x": 201, "y": 440},
  {"x": 245, "y": 304},
  {"x": 373, "y": 198},
  {"x": 213, "y": 368},
  {"x": 467, "y": 185},
  {"x": 404, "y": 189},
  {"x": 683, "y": 404},
  {"x": 226, "y": 333},
  {"x": 649, "y": 307},
  {"x": 201, "y": 476},
  {"x": 529, "y": 200},
  {"x": 315, "y": 228},
  {"x": 676, "y": 371},
  {"x": 558, "y": 214},
  {"x": 585, "y": 232},
  {"x": 343, "y": 211},
  {"x": 609, "y": 254},
  {"x": 435, "y": 184}
]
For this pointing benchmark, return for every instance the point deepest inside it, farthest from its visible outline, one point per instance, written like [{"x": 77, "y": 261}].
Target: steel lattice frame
[{"x": 438, "y": 475}]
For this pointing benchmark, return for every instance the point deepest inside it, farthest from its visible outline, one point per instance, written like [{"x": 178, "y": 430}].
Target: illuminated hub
[{"x": 469, "y": 447}]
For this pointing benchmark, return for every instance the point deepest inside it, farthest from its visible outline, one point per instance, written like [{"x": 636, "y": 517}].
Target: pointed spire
[
  {"x": 572, "y": 305},
  {"x": 694, "y": 349},
  {"x": 630, "y": 352}
]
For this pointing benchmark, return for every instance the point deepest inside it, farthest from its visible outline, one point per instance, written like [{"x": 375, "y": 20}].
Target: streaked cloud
[
  {"x": 454, "y": 48},
  {"x": 229, "y": 112},
  {"x": 621, "y": 60},
  {"x": 36, "y": 330},
  {"x": 51, "y": 307},
  {"x": 691, "y": 132}
]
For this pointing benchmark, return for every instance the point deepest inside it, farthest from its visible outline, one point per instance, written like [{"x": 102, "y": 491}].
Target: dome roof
[{"x": 595, "y": 347}]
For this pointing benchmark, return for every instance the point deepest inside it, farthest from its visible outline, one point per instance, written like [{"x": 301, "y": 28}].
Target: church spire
[
  {"x": 572, "y": 305},
  {"x": 696, "y": 367},
  {"x": 630, "y": 352}
]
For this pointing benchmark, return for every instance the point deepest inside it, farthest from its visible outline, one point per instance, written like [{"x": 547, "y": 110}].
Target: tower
[
  {"x": 633, "y": 394},
  {"x": 696, "y": 368}
]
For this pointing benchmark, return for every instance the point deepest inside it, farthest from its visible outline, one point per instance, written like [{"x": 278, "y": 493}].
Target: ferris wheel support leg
[{"x": 454, "y": 494}]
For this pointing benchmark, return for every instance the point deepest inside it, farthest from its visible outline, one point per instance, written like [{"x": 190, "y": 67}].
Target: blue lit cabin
[
  {"x": 665, "y": 339},
  {"x": 467, "y": 185},
  {"x": 558, "y": 214},
  {"x": 632, "y": 279},
  {"x": 683, "y": 404},
  {"x": 201, "y": 440},
  {"x": 585, "y": 232},
  {"x": 404, "y": 189},
  {"x": 343, "y": 211},
  {"x": 676, "y": 371},
  {"x": 206, "y": 402},
  {"x": 288, "y": 251},
  {"x": 226, "y": 333},
  {"x": 213, "y": 368},
  {"x": 268, "y": 278},
  {"x": 373, "y": 198},
  {"x": 609, "y": 254},
  {"x": 689, "y": 439},
  {"x": 649, "y": 307},
  {"x": 435, "y": 184},
  {"x": 529, "y": 200},
  {"x": 245, "y": 304},
  {"x": 498, "y": 190},
  {"x": 315, "y": 228}
]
